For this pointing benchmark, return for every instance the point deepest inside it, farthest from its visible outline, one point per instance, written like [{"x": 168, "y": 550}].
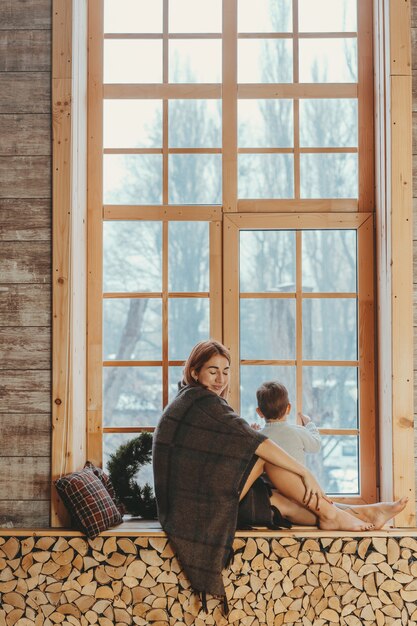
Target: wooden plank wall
[
  {"x": 25, "y": 260},
  {"x": 414, "y": 66}
]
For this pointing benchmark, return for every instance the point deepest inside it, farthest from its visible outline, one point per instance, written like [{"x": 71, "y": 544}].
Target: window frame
[
  {"x": 394, "y": 241},
  {"x": 363, "y": 224}
]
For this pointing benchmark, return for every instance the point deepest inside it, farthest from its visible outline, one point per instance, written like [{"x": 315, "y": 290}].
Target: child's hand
[
  {"x": 255, "y": 426},
  {"x": 305, "y": 419}
]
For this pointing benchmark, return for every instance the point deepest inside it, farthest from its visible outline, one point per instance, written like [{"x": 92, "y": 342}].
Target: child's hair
[{"x": 272, "y": 400}]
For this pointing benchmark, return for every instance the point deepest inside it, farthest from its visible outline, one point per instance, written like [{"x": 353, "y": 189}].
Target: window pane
[
  {"x": 328, "y": 61},
  {"x": 111, "y": 442},
  {"x": 330, "y": 396},
  {"x": 266, "y": 176},
  {"x": 327, "y": 15},
  {"x": 321, "y": 245},
  {"x": 267, "y": 260},
  {"x": 195, "y": 16},
  {"x": 329, "y": 175},
  {"x": 264, "y": 61},
  {"x": 132, "y": 329},
  {"x": 133, "y": 16},
  {"x": 267, "y": 328},
  {"x": 329, "y": 329},
  {"x": 118, "y": 66},
  {"x": 270, "y": 16},
  {"x": 132, "y": 179},
  {"x": 132, "y": 396},
  {"x": 195, "y": 124},
  {"x": 329, "y": 123},
  {"x": 195, "y": 61},
  {"x": 132, "y": 256},
  {"x": 188, "y": 268},
  {"x": 265, "y": 123},
  {"x": 252, "y": 377},
  {"x": 337, "y": 464},
  {"x": 132, "y": 124},
  {"x": 175, "y": 377},
  {"x": 195, "y": 178},
  {"x": 188, "y": 324}
]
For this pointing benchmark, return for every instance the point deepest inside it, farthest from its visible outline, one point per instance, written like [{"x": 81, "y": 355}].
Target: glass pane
[
  {"x": 270, "y": 16},
  {"x": 267, "y": 328},
  {"x": 330, "y": 396},
  {"x": 111, "y": 442},
  {"x": 188, "y": 323},
  {"x": 332, "y": 123},
  {"x": 264, "y": 61},
  {"x": 188, "y": 264},
  {"x": 265, "y": 176},
  {"x": 132, "y": 256},
  {"x": 174, "y": 378},
  {"x": 265, "y": 123},
  {"x": 329, "y": 175},
  {"x": 327, "y": 16},
  {"x": 328, "y": 61},
  {"x": 132, "y": 179},
  {"x": 252, "y": 377},
  {"x": 329, "y": 329},
  {"x": 337, "y": 464},
  {"x": 267, "y": 260},
  {"x": 195, "y": 61},
  {"x": 132, "y": 396},
  {"x": 195, "y": 178},
  {"x": 132, "y": 329},
  {"x": 195, "y": 16},
  {"x": 118, "y": 66},
  {"x": 133, "y": 16},
  {"x": 132, "y": 124},
  {"x": 195, "y": 124},
  {"x": 321, "y": 245}
]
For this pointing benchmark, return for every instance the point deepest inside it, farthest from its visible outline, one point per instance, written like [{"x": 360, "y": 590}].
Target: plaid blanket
[{"x": 201, "y": 454}]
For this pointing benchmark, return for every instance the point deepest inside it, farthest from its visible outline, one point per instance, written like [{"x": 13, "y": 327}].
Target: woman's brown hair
[{"x": 200, "y": 354}]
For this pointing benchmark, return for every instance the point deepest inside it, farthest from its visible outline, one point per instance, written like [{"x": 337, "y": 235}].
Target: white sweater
[{"x": 294, "y": 439}]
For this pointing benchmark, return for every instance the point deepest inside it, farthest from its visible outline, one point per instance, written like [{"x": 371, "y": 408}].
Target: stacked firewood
[{"x": 272, "y": 581}]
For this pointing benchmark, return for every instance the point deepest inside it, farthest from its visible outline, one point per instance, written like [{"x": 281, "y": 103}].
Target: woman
[{"x": 207, "y": 461}]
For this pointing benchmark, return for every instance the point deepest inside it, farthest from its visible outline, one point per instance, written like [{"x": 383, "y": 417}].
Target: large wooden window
[{"x": 230, "y": 195}]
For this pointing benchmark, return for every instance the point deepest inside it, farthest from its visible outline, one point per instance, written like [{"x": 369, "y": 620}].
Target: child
[{"x": 273, "y": 407}]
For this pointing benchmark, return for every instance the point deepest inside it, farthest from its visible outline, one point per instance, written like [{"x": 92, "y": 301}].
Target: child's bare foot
[
  {"x": 378, "y": 514},
  {"x": 337, "y": 519}
]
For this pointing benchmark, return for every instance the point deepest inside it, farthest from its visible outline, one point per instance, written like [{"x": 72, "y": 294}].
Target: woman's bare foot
[
  {"x": 378, "y": 514},
  {"x": 338, "y": 519}
]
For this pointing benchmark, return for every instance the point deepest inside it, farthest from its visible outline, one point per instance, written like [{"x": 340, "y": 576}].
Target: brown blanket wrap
[{"x": 201, "y": 450}]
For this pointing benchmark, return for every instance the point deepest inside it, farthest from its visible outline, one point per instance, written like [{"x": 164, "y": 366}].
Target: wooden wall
[
  {"x": 25, "y": 260},
  {"x": 414, "y": 65},
  {"x": 25, "y": 256}
]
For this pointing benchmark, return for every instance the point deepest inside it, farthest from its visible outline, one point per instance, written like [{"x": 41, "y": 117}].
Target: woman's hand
[{"x": 313, "y": 491}]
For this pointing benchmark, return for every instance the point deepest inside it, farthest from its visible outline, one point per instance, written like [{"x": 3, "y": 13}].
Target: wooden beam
[
  {"x": 94, "y": 227},
  {"x": 69, "y": 205},
  {"x": 394, "y": 251},
  {"x": 402, "y": 295}
]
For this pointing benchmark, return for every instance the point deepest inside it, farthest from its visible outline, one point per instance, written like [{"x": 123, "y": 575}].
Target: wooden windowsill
[{"x": 146, "y": 528}]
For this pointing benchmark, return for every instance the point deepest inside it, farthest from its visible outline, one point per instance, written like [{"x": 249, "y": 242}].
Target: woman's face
[{"x": 214, "y": 374}]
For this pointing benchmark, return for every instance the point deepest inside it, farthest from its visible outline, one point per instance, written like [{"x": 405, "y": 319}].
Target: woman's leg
[
  {"x": 289, "y": 501},
  {"x": 330, "y": 517},
  {"x": 291, "y": 510},
  {"x": 377, "y": 514},
  {"x": 288, "y": 494}
]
